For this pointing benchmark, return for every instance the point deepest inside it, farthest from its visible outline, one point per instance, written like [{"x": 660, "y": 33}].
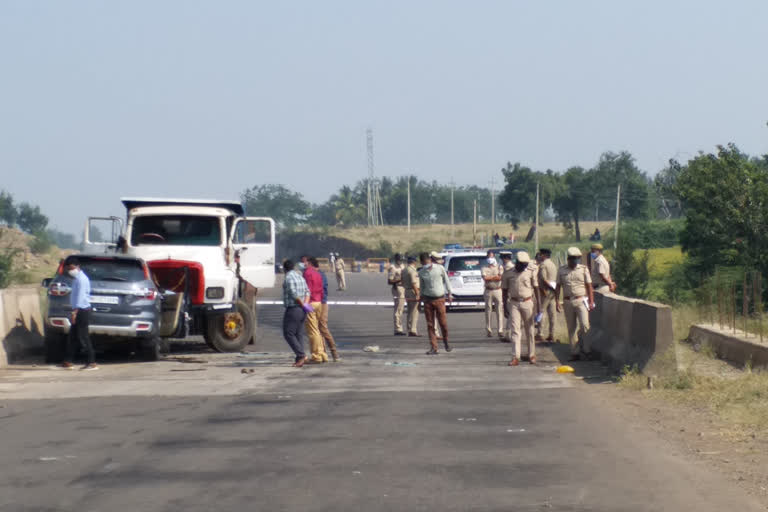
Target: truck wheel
[
  {"x": 55, "y": 346},
  {"x": 231, "y": 332},
  {"x": 150, "y": 349}
]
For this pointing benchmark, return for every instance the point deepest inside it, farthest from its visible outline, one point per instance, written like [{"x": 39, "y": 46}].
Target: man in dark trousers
[
  {"x": 80, "y": 317},
  {"x": 296, "y": 303}
]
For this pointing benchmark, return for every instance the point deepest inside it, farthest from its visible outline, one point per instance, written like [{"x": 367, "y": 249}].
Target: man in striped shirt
[{"x": 296, "y": 302}]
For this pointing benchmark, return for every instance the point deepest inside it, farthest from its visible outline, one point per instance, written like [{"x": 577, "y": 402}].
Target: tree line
[
  {"x": 30, "y": 219},
  {"x": 571, "y": 196}
]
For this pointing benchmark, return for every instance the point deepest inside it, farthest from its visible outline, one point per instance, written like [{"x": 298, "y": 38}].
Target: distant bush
[
  {"x": 41, "y": 243},
  {"x": 649, "y": 234},
  {"x": 6, "y": 266}
]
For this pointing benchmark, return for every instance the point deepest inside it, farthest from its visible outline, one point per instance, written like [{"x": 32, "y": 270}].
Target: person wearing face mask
[
  {"x": 547, "y": 285},
  {"x": 493, "y": 297},
  {"x": 434, "y": 286},
  {"x": 520, "y": 289},
  {"x": 601, "y": 271},
  {"x": 506, "y": 265},
  {"x": 395, "y": 280},
  {"x": 578, "y": 301},
  {"x": 412, "y": 296},
  {"x": 312, "y": 323},
  {"x": 80, "y": 317}
]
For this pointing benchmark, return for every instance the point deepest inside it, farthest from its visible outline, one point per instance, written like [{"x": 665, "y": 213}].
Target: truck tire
[
  {"x": 55, "y": 346},
  {"x": 231, "y": 332},
  {"x": 150, "y": 349}
]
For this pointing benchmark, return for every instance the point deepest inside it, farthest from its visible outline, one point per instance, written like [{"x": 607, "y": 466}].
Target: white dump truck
[{"x": 207, "y": 258}]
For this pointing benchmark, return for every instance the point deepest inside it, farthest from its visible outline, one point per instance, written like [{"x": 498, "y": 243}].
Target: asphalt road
[{"x": 393, "y": 430}]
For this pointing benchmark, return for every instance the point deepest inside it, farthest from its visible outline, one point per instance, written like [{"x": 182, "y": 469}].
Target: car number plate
[
  {"x": 104, "y": 299},
  {"x": 472, "y": 279}
]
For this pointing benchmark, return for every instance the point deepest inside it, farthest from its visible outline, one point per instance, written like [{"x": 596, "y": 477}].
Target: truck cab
[{"x": 208, "y": 260}]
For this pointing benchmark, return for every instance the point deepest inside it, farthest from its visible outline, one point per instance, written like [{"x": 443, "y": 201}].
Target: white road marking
[{"x": 266, "y": 302}]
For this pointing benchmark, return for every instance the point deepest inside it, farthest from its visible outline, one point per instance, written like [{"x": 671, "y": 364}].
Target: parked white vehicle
[
  {"x": 206, "y": 257},
  {"x": 465, "y": 274}
]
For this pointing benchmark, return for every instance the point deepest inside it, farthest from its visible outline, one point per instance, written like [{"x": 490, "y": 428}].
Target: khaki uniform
[
  {"x": 508, "y": 330},
  {"x": 547, "y": 278},
  {"x": 411, "y": 281},
  {"x": 522, "y": 288},
  {"x": 395, "y": 273},
  {"x": 316, "y": 344},
  {"x": 600, "y": 265},
  {"x": 340, "y": 278},
  {"x": 492, "y": 296},
  {"x": 574, "y": 284}
]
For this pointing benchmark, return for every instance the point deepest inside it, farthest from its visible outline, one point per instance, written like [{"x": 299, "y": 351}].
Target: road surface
[{"x": 388, "y": 431}]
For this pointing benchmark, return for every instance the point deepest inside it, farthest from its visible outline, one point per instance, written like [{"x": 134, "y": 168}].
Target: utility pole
[
  {"x": 409, "y": 203},
  {"x": 493, "y": 204},
  {"x": 453, "y": 186},
  {"x": 616, "y": 227},
  {"x": 474, "y": 223},
  {"x": 536, "y": 233}
]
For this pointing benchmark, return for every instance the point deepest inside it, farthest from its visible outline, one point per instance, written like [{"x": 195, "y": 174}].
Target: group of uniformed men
[{"x": 526, "y": 291}]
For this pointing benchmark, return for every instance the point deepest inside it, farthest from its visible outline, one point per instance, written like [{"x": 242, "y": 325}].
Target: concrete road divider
[
  {"x": 730, "y": 346},
  {"x": 632, "y": 332},
  {"x": 21, "y": 324}
]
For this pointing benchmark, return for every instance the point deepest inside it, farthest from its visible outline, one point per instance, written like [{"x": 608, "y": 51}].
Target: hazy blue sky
[{"x": 100, "y": 100}]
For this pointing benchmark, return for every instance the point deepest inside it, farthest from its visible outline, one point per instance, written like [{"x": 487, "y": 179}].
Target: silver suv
[{"x": 126, "y": 306}]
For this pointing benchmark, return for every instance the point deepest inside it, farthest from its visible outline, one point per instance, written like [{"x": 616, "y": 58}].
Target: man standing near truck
[
  {"x": 296, "y": 302},
  {"x": 339, "y": 266},
  {"x": 80, "y": 317}
]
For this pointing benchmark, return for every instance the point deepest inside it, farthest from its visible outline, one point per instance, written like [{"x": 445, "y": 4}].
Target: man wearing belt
[
  {"x": 547, "y": 285},
  {"x": 601, "y": 271},
  {"x": 492, "y": 277},
  {"x": 81, "y": 314},
  {"x": 395, "y": 280},
  {"x": 411, "y": 285},
  {"x": 322, "y": 319},
  {"x": 520, "y": 293},
  {"x": 339, "y": 267},
  {"x": 434, "y": 286},
  {"x": 506, "y": 266},
  {"x": 579, "y": 300},
  {"x": 312, "y": 323}
]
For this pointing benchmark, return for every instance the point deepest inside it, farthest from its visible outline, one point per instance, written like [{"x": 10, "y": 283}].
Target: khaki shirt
[
  {"x": 491, "y": 271},
  {"x": 600, "y": 265},
  {"x": 411, "y": 281},
  {"x": 520, "y": 285},
  {"x": 574, "y": 281},
  {"x": 339, "y": 264},
  {"x": 395, "y": 273},
  {"x": 547, "y": 275}
]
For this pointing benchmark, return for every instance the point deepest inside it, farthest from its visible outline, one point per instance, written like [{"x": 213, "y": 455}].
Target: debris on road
[
  {"x": 467, "y": 419},
  {"x": 371, "y": 348},
  {"x": 247, "y": 370},
  {"x": 398, "y": 363},
  {"x": 186, "y": 360},
  {"x": 515, "y": 430},
  {"x": 189, "y": 370},
  {"x": 565, "y": 369}
]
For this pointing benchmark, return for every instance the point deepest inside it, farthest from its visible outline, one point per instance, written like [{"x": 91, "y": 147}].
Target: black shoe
[
  {"x": 447, "y": 347},
  {"x": 432, "y": 352},
  {"x": 400, "y": 334}
]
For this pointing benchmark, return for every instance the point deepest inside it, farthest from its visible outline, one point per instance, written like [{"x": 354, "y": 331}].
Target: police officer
[
  {"x": 578, "y": 301},
  {"x": 395, "y": 280},
  {"x": 493, "y": 297},
  {"x": 601, "y": 271},
  {"x": 506, "y": 265},
  {"x": 412, "y": 296},
  {"x": 547, "y": 285},
  {"x": 339, "y": 267},
  {"x": 520, "y": 290}
]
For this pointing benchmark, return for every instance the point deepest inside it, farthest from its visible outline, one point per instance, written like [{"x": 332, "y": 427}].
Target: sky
[{"x": 202, "y": 99}]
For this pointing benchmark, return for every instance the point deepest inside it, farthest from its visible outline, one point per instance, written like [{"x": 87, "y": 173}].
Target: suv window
[
  {"x": 465, "y": 263},
  {"x": 106, "y": 269},
  {"x": 176, "y": 230}
]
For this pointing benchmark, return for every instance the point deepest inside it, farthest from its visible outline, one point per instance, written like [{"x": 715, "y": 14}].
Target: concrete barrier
[
  {"x": 633, "y": 332},
  {"x": 21, "y": 324},
  {"x": 730, "y": 346}
]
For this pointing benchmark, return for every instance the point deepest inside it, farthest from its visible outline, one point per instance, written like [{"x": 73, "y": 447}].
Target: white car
[{"x": 464, "y": 272}]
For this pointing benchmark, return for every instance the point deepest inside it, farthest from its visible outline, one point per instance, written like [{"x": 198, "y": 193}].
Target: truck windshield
[{"x": 176, "y": 230}]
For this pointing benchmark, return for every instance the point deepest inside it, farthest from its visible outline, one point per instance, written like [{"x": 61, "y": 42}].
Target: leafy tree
[
  {"x": 519, "y": 195},
  {"x": 630, "y": 271},
  {"x": 30, "y": 218},
  {"x": 725, "y": 197},
  {"x": 665, "y": 185},
  {"x": 572, "y": 197},
  {"x": 7, "y": 208},
  {"x": 619, "y": 168},
  {"x": 288, "y": 208}
]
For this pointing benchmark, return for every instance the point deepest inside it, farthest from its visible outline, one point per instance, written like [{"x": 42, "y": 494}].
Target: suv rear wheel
[
  {"x": 150, "y": 349},
  {"x": 55, "y": 346},
  {"x": 231, "y": 332}
]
